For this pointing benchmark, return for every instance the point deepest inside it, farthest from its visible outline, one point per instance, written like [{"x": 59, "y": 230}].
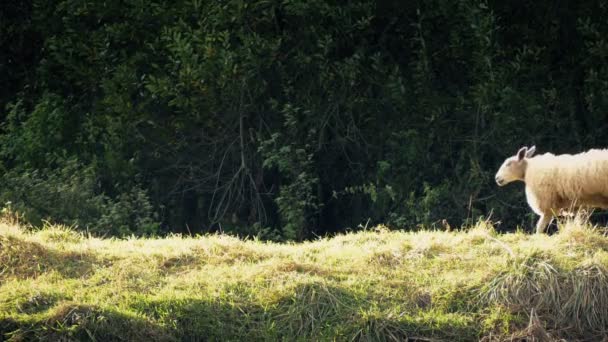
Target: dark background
[{"x": 289, "y": 119}]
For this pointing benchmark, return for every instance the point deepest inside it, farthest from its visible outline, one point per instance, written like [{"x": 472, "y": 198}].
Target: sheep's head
[{"x": 514, "y": 168}]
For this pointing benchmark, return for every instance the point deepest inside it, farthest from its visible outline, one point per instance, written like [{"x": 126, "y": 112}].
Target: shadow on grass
[
  {"x": 208, "y": 320},
  {"x": 311, "y": 311},
  {"x": 75, "y": 322},
  {"x": 26, "y": 259}
]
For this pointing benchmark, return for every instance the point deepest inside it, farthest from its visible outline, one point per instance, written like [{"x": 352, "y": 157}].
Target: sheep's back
[{"x": 570, "y": 178}]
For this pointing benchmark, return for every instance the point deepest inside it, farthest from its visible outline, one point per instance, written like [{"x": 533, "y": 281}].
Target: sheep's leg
[{"x": 543, "y": 222}]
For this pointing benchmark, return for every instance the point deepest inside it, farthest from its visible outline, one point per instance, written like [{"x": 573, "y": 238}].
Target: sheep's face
[{"x": 514, "y": 168}]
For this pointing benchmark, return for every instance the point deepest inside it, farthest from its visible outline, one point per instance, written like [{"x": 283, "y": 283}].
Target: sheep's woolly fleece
[
  {"x": 564, "y": 181},
  {"x": 556, "y": 183}
]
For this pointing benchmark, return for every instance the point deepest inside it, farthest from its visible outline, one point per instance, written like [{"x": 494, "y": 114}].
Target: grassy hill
[{"x": 368, "y": 286}]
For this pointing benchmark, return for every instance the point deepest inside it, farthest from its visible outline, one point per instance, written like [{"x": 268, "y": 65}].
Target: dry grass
[{"x": 376, "y": 285}]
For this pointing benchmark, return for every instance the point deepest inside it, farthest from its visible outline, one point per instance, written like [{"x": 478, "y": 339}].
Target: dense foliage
[{"x": 289, "y": 118}]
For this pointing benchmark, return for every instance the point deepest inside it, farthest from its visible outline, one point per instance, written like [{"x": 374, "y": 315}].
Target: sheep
[{"x": 558, "y": 183}]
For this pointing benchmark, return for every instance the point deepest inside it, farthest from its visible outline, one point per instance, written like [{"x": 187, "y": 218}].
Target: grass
[{"x": 380, "y": 285}]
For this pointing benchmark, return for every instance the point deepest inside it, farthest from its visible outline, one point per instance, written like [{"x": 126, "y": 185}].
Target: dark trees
[{"x": 286, "y": 119}]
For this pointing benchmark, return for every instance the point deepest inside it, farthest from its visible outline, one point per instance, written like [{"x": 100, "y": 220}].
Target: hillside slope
[{"x": 368, "y": 286}]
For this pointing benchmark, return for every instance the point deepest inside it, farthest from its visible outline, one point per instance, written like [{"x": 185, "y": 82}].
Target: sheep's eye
[{"x": 509, "y": 163}]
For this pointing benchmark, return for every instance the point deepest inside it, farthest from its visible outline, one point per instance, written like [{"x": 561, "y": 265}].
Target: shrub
[{"x": 70, "y": 195}]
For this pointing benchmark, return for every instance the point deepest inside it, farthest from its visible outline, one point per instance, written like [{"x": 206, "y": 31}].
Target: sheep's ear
[
  {"x": 530, "y": 152},
  {"x": 522, "y": 153}
]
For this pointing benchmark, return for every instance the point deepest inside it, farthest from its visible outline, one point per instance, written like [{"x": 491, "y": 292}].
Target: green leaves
[{"x": 248, "y": 114}]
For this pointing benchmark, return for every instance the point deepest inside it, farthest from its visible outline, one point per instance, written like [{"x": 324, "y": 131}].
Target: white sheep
[{"x": 558, "y": 183}]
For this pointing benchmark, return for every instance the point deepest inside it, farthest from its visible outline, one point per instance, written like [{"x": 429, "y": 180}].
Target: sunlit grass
[{"x": 374, "y": 285}]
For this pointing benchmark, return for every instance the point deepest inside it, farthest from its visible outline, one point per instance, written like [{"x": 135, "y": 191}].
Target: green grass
[{"x": 377, "y": 285}]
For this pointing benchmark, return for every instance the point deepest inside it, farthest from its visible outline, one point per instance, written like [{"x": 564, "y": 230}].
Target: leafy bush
[
  {"x": 69, "y": 195},
  {"x": 303, "y": 117}
]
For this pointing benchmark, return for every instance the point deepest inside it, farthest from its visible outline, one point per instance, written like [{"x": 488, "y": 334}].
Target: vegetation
[
  {"x": 376, "y": 285},
  {"x": 176, "y": 139},
  {"x": 288, "y": 119}
]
